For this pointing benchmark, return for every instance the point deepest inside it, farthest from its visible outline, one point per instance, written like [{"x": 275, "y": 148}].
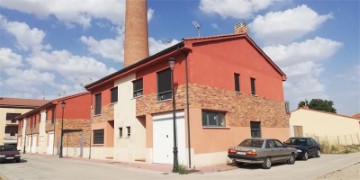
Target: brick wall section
[
  {"x": 107, "y": 114},
  {"x": 49, "y": 126},
  {"x": 72, "y": 139},
  {"x": 241, "y": 108}
]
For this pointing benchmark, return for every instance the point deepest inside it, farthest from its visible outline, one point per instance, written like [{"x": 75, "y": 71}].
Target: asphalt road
[{"x": 39, "y": 167}]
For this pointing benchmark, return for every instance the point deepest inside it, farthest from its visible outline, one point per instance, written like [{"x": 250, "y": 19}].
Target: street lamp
[
  {"x": 172, "y": 66},
  {"x": 62, "y": 129}
]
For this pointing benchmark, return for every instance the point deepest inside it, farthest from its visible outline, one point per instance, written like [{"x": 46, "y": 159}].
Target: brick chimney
[
  {"x": 136, "y": 32},
  {"x": 241, "y": 28}
]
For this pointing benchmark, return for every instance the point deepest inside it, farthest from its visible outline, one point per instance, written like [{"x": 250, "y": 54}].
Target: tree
[{"x": 319, "y": 104}]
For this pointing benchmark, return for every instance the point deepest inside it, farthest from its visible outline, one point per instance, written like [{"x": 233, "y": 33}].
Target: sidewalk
[{"x": 164, "y": 168}]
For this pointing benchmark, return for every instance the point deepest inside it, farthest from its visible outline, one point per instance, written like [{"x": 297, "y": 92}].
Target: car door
[
  {"x": 311, "y": 145},
  {"x": 283, "y": 152},
  {"x": 274, "y": 152}
]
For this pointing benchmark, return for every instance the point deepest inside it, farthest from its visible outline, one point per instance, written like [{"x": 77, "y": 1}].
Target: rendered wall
[
  {"x": 128, "y": 148},
  {"x": 328, "y": 127}
]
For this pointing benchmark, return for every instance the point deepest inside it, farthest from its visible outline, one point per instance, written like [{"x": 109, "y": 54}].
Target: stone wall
[{"x": 240, "y": 108}]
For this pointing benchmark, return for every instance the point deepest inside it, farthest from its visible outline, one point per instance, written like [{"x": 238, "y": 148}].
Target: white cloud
[
  {"x": 316, "y": 49},
  {"x": 158, "y": 45},
  {"x": 27, "y": 38},
  {"x": 72, "y": 11},
  {"x": 239, "y": 9},
  {"x": 29, "y": 77},
  {"x": 214, "y": 25},
  {"x": 286, "y": 26},
  {"x": 9, "y": 59},
  {"x": 107, "y": 48},
  {"x": 72, "y": 67},
  {"x": 301, "y": 62}
]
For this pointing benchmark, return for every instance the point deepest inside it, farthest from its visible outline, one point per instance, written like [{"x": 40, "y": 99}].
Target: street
[{"x": 42, "y": 167}]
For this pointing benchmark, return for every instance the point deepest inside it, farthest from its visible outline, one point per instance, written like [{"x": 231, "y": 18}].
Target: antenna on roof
[
  {"x": 43, "y": 93},
  {"x": 197, "y": 27}
]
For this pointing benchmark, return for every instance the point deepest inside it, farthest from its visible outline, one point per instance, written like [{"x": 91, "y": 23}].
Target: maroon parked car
[{"x": 9, "y": 153}]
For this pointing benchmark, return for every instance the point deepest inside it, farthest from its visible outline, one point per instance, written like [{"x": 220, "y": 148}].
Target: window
[
  {"x": 253, "y": 91},
  {"x": 213, "y": 119},
  {"x": 128, "y": 131},
  {"x": 237, "y": 82},
  {"x": 121, "y": 132},
  {"x": 255, "y": 129},
  {"x": 98, "y": 104},
  {"x": 114, "y": 94},
  {"x": 164, "y": 85},
  {"x": 53, "y": 116},
  {"x": 138, "y": 87},
  {"x": 98, "y": 136},
  {"x": 12, "y": 116}
]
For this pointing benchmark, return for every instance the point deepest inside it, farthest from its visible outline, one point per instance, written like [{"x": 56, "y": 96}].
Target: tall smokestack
[{"x": 136, "y": 32}]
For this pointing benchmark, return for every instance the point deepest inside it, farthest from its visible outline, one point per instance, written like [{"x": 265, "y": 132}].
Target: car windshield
[
  {"x": 296, "y": 141},
  {"x": 7, "y": 148},
  {"x": 252, "y": 143}
]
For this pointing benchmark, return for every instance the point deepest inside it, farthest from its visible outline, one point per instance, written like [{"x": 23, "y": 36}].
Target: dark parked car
[
  {"x": 306, "y": 147},
  {"x": 9, "y": 153},
  {"x": 262, "y": 151}
]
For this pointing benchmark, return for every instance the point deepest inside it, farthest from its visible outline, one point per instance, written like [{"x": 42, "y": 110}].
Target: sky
[{"x": 53, "y": 48}]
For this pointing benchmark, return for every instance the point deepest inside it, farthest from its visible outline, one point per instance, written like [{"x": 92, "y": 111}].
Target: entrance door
[
  {"x": 163, "y": 138},
  {"x": 50, "y": 146},
  {"x": 298, "y": 132}
]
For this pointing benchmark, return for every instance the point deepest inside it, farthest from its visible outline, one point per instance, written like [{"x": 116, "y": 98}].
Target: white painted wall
[
  {"x": 22, "y": 144},
  {"x": 134, "y": 147},
  {"x": 42, "y": 147},
  {"x": 335, "y": 129}
]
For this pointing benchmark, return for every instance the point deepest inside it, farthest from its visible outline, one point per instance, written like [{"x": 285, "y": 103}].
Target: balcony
[
  {"x": 10, "y": 138},
  {"x": 11, "y": 123}
]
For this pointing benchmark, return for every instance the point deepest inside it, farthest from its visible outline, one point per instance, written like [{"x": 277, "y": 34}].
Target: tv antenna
[
  {"x": 197, "y": 27},
  {"x": 43, "y": 93}
]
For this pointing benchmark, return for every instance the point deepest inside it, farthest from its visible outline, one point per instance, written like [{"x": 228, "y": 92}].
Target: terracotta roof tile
[{"x": 17, "y": 102}]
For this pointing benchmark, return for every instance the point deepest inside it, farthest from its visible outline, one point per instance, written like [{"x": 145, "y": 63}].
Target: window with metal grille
[
  {"x": 12, "y": 116},
  {"x": 98, "y": 104},
  {"x": 164, "y": 85},
  {"x": 213, "y": 119},
  {"x": 98, "y": 136},
  {"x": 255, "y": 128},
  {"x": 237, "y": 82},
  {"x": 114, "y": 94},
  {"x": 138, "y": 87}
]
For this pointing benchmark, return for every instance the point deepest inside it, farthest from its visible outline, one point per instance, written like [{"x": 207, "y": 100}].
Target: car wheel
[
  {"x": 291, "y": 159},
  {"x": 18, "y": 160},
  {"x": 267, "y": 163},
  {"x": 305, "y": 156},
  {"x": 318, "y": 154}
]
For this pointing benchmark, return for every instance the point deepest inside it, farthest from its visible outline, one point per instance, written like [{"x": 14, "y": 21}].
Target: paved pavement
[{"x": 46, "y": 167}]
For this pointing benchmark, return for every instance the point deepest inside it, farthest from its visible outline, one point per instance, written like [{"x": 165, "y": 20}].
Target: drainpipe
[
  {"x": 54, "y": 115},
  {"x": 187, "y": 104},
  {"x": 90, "y": 123}
]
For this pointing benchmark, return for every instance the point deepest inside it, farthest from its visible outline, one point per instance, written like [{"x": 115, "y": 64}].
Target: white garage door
[
  {"x": 50, "y": 146},
  {"x": 33, "y": 146},
  {"x": 163, "y": 139}
]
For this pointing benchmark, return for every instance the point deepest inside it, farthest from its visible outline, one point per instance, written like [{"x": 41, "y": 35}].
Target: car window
[
  {"x": 252, "y": 143},
  {"x": 270, "y": 144},
  {"x": 296, "y": 141},
  {"x": 278, "y": 144},
  {"x": 7, "y": 148}
]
